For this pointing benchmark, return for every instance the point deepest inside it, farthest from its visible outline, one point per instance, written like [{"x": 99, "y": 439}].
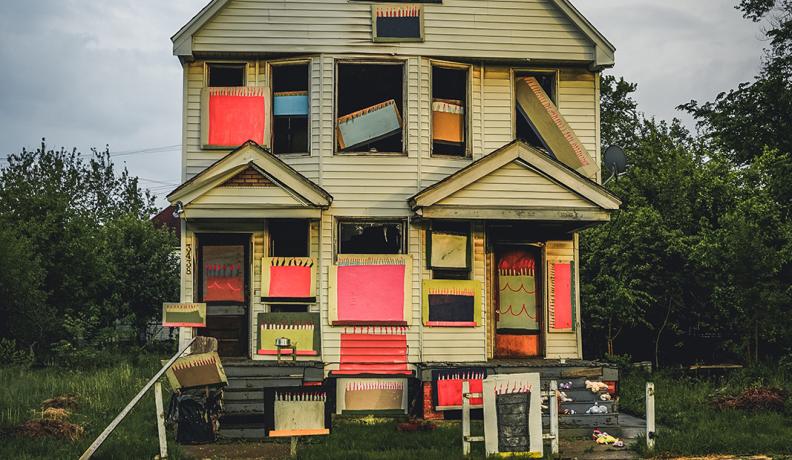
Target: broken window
[
  {"x": 288, "y": 238},
  {"x": 226, "y": 75},
  {"x": 369, "y": 107},
  {"x": 371, "y": 237},
  {"x": 289, "y": 308},
  {"x": 526, "y": 131},
  {"x": 449, "y": 111},
  {"x": 290, "y": 108}
]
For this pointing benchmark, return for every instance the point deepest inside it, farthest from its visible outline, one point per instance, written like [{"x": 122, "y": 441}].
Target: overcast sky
[{"x": 86, "y": 73}]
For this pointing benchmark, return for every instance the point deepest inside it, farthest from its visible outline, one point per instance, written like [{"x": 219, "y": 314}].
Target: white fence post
[
  {"x": 553, "y": 403},
  {"x": 163, "y": 440},
  {"x": 465, "y": 418},
  {"x": 650, "y": 416}
]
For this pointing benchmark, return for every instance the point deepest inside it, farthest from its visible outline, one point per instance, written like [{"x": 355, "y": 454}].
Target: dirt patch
[
  {"x": 45, "y": 427},
  {"x": 61, "y": 402},
  {"x": 237, "y": 451},
  {"x": 754, "y": 399}
]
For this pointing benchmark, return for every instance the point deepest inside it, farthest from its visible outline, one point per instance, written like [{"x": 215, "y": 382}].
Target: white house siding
[{"x": 484, "y": 29}]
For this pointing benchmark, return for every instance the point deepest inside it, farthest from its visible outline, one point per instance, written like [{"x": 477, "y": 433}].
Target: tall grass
[
  {"x": 689, "y": 424},
  {"x": 102, "y": 394}
]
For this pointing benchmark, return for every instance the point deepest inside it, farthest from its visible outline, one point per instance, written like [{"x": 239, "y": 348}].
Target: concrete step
[{"x": 242, "y": 432}]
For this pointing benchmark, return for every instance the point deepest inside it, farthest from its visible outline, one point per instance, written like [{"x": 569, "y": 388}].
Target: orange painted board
[
  {"x": 516, "y": 346},
  {"x": 448, "y": 121}
]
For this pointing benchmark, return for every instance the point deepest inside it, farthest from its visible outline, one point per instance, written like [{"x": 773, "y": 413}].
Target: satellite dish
[{"x": 615, "y": 159}]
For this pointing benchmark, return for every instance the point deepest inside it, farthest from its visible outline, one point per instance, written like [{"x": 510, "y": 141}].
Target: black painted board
[
  {"x": 399, "y": 27},
  {"x": 513, "y": 431},
  {"x": 451, "y": 308}
]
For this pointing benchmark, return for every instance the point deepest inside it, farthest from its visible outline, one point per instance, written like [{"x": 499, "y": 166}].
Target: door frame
[
  {"x": 228, "y": 239},
  {"x": 538, "y": 248}
]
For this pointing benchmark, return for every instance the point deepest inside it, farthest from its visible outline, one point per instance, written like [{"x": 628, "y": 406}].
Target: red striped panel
[{"x": 373, "y": 354}]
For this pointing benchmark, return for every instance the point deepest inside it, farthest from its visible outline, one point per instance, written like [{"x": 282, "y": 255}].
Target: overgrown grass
[
  {"x": 102, "y": 394},
  {"x": 689, "y": 424},
  {"x": 378, "y": 439}
]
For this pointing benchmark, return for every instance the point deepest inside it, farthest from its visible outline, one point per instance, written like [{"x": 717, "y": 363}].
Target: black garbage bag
[{"x": 196, "y": 414}]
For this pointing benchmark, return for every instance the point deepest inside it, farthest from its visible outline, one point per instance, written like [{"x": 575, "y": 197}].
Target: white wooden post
[
  {"x": 163, "y": 440},
  {"x": 465, "y": 418},
  {"x": 650, "y": 416},
  {"x": 553, "y": 403},
  {"x": 293, "y": 447},
  {"x": 112, "y": 426}
]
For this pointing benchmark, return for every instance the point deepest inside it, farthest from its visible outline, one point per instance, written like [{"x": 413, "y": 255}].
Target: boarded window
[
  {"x": 525, "y": 130},
  {"x": 448, "y": 252},
  {"x": 449, "y": 111},
  {"x": 371, "y": 237},
  {"x": 223, "y": 273},
  {"x": 370, "y": 107},
  {"x": 291, "y": 108},
  {"x": 226, "y": 75},
  {"x": 288, "y": 238}
]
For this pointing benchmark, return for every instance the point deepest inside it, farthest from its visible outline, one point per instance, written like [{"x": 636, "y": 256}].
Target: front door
[
  {"x": 518, "y": 302},
  {"x": 224, "y": 285}
]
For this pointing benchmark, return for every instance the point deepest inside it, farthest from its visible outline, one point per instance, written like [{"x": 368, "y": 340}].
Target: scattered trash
[
  {"x": 597, "y": 409},
  {"x": 754, "y": 399},
  {"x": 602, "y": 438},
  {"x": 563, "y": 397},
  {"x": 596, "y": 387},
  {"x": 565, "y": 386},
  {"x": 44, "y": 427},
  {"x": 61, "y": 402},
  {"x": 606, "y": 397},
  {"x": 55, "y": 413},
  {"x": 566, "y": 411}
]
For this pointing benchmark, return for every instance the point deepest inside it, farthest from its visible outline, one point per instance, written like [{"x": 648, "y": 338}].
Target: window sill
[
  {"x": 292, "y": 155},
  {"x": 371, "y": 154},
  {"x": 450, "y": 324}
]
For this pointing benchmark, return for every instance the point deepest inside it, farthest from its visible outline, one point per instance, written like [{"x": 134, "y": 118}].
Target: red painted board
[
  {"x": 516, "y": 346},
  {"x": 371, "y": 293},
  {"x": 290, "y": 281},
  {"x": 563, "y": 295},
  {"x": 234, "y": 119},
  {"x": 373, "y": 354},
  {"x": 449, "y": 392}
]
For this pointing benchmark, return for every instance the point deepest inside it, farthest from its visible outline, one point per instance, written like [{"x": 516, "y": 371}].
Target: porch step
[
  {"x": 259, "y": 383},
  {"x": 580, "y": 407},
  {"x": 242, "y": 395},
  {"x": 242, "y": 432},
  {"x": 248, "y": 407},
  {"x": 584, "y": 420}
]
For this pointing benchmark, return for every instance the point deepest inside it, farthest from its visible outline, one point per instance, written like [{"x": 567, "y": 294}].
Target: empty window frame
[
  {"x": 371, "y": 237},
  {"x": 523, "y": 128},
  {"x": 450, "y": 110},
  {"x": 370, "y": 107},
  {"x": 226, "y": 75},
  {"x": 288, "y": 308},
  {"x": 289, "y": 238},
  {"x": 291, "y": 107}
]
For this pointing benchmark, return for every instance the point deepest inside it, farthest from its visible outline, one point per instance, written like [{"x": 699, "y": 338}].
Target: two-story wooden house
[{"x": 394, "y": 187}]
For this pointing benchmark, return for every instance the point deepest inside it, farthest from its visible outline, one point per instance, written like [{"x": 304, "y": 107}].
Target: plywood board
[
  {"x": 184, "y": 314},
  {"x": 451, "y": 303},
  {"x": 197, "y": 370},
  {"x": 538, "y": 109},
  {"x": 447, "y": 387},
  {"x": 449, "y": 250},
  {"x": 371, "y": 395},
  {"x": 300, "y": 410},
  {"x": 374, "y": 350},
  {"x": 397, "y": 23},
  {"x": 223, "y": 273},
  {"x": 233, "y": 116},
  {"x": 371, "y": 290},
  {"x": 303, "y": 329},
  {"x": 368, "y": 125},
  {"x": 288, "y": 277},
  {"x": 513, "y": 415}
]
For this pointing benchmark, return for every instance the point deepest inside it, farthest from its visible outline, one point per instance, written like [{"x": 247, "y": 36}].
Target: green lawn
[
  {"x": 102, "y": 394},
  {"x": 690, "y": 425},
  {"x": 378, "y": 439}
]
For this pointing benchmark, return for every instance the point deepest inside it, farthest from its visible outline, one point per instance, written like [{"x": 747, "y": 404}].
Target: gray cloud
[{"x": 88, "y": 73}]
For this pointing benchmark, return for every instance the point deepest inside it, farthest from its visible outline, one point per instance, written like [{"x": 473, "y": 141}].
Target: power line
[{"x": 160, "y": 149}]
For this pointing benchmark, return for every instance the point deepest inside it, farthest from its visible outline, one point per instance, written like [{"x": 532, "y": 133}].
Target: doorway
[
  {"x": 224, "y": 285},
  {"x": 518, "y": 301}
]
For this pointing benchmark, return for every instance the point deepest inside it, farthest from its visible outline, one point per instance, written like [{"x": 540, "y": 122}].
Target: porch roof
[
  {"x": 516, "y": 182},
  {"x": 250, "y": 182}
]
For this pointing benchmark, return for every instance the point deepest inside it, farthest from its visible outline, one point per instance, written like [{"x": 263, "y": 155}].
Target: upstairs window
[
  {"x": 526, "y": 132},
  {"x": 449, "y": 110},
  {"x": 371, "y": 237},
  {"x": 226, "y": 75},
  {"x": 288, "y": 238},
  {"x": 290, "y": 108},
  {"x": 369, "y": 107}
]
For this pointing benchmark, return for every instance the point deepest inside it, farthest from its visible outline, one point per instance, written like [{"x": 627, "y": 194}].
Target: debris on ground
[
  {"x": 416, "y": 425},
  {"x": 54, "y": 413},
  {"x": 753, "y": 399},
  {"x": 61, "y": 402},
  {"x": 44, "y": 427},
  {"x": 602, "y": 438}
]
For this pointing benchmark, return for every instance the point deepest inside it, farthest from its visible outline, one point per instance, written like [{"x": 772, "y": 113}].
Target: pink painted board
[
  {"x": 290, "y": 281},
  {"x": 233, "y": 120},
  {"x": 563, "y": 295},
  {"x": 371, "y": 293}
]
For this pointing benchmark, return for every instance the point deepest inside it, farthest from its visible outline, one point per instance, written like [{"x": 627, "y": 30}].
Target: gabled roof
[
  {"x": 604, "y": 49},
  {"x": 285, "y": 187},
  {"x": 532, "y": 186}
]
